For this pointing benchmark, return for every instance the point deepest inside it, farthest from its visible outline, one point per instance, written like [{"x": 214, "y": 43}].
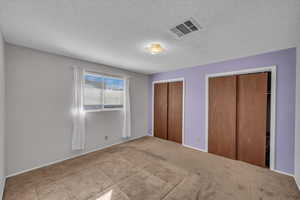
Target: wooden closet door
[
  {"x": 252, "y": 118},
  {"x": 175, "y": 103},
  {"x": 222, "y": 116},
  {"x": 161, "y": 110}
]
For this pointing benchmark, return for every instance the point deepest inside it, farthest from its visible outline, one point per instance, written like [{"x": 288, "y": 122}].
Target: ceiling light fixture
[{"x": 155, "y": 48}]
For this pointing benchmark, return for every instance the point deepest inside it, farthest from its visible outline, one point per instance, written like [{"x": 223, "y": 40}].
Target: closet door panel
[
  {"x": 222, "y": 116},
  {"x": 161, "y": 110},
  {"x": 252, "y": 118},
  {"x": 175, "y": 94}
]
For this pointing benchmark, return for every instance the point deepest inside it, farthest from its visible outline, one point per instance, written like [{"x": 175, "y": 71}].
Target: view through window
[{"x": 102, "y": 92}]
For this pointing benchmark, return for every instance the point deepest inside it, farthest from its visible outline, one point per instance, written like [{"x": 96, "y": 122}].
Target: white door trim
[
  {"x": 183, "y": 103},
  {"x": 271, "y": 69}
]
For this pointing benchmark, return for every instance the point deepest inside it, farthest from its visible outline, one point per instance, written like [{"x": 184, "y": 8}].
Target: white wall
[
  {"x": 2, "y": 114},
  {"x": 39, "y": 97},
  {"x": 297, "y": 130}
]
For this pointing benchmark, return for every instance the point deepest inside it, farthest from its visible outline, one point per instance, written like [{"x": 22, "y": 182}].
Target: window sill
[{"x": 104, "y": 110}]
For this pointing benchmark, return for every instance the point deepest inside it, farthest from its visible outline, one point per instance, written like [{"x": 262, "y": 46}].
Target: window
[{"x": 102, "y": 92}]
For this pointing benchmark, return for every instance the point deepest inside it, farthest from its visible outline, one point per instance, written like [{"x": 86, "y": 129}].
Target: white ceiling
[{"x": 115, "y": 32}]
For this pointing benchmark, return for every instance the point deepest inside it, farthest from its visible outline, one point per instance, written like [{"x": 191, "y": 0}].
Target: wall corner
[{"x": 297, "y": 120}]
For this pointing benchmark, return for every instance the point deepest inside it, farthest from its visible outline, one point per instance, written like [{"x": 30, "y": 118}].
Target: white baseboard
[
  {"x": 298, "y": 183},
  {"x": 195, "y": 148},
  {"x": 70, "y": 157},
  {"x": 2, "y": 185},
  {"x": 185, "y": 145},
  {"x": 281, "y": 172}
]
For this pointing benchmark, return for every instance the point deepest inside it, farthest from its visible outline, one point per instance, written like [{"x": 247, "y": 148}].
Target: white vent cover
[{"x": 185, "y": 28}]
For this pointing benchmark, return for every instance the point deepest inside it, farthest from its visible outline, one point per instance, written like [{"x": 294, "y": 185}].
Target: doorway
[
  {"x": 168, "y": 110},
  {"x": 235, "y": 146}
]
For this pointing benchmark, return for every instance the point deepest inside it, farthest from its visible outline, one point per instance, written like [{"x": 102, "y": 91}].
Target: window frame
[{"x": 103, "y": 109}]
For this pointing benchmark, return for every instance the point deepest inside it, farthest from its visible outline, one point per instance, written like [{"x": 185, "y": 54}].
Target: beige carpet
[{"x": 150, "y": 169}]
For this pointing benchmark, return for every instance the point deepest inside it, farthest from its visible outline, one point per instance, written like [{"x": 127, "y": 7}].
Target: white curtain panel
[
  {"x": 126, "y": 111},
  {"x": 78, "y": 114}
]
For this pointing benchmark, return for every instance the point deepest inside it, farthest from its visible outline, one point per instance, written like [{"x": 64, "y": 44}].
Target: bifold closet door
[
  {"x": 161, "y": 110},
  {"x": 175, "y": 94},
  {"x": 222, "y": 116},
  {"x": 252, "y": 118}
]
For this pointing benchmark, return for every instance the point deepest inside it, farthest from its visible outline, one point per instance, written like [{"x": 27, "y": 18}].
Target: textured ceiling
[{"x": 115, "y": 32}]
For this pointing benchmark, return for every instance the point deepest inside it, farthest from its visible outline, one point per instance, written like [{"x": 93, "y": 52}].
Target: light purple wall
[{"x": 285, "y": 60}]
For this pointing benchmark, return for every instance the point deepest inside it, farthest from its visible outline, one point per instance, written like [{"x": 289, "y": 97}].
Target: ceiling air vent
[{"x": 186, "y": 27}]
